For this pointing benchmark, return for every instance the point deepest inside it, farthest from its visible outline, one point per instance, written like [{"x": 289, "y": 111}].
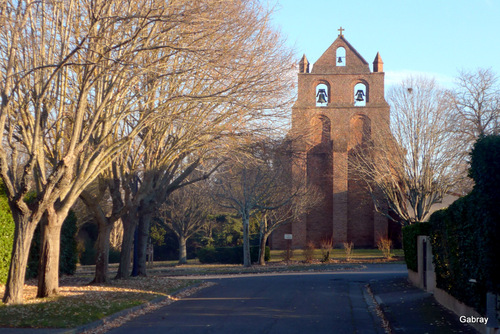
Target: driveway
[{"x": 329, "y": 302}]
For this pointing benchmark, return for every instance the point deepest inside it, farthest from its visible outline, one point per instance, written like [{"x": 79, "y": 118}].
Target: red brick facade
[{"x": 346, "y": 211}]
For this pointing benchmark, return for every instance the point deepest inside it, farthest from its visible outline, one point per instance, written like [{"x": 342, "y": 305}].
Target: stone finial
[
  {"x": 304, "y": 65},
  {"x": 378, "y": 64}
]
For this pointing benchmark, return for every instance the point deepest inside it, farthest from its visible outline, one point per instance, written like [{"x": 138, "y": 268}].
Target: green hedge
[
  {"x": 465, "y": 237},
  {"x": 410, "y": 234},
  {"x": 68, "y": 256},
  {"x": 456, "y": 249},
  {"x": 6, "y": 235},
  {"x": 229, "y": 255}
]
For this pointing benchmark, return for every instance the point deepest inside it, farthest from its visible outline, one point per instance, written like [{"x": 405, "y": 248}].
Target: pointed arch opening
[
  {"x": 360, "y": 130},
  {"x": 321, "y": 127},
  {"x": 340, "y": 56}
]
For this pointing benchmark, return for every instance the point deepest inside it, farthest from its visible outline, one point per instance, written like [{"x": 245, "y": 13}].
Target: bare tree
[
  {"x": 301, "y": 201},
  {"x": 71, "y": 90},
  {"x": 476, "y": 102},
  {"x": 80, "y": 82},
  {"x": 104, "y": 203},
  {"x": 256, "y": 182},
  {"x": 239, "y": 86},
  {"x": 185, "y": 213},
  {"x": 414, "y": 165}
]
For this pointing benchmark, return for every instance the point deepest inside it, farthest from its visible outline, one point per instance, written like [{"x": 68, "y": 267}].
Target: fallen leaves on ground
[
  {"x": 78, "y": 302},
  {"x": 108, "y": 325}
]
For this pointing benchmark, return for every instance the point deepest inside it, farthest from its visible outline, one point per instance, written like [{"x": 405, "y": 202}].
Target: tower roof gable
[{"x": 354, "y": 62}]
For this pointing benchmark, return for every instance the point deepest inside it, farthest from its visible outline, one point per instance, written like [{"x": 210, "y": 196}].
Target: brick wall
[{"x": 345, "y": 210}]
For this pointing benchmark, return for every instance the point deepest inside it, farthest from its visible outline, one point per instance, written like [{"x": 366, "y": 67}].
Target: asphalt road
[{"x": 333, "y": 302}]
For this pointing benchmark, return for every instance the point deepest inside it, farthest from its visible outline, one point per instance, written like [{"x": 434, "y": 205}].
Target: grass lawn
[
  {"x": 358, "y": 255},
  {"x": 79, "y": 303}
]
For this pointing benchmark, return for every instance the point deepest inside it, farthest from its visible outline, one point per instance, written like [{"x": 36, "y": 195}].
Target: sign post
[{"x": 288, "y": 238}]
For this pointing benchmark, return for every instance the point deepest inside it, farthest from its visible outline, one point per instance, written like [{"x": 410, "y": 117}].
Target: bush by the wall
[
  {"x": 456, "y": 250},
  {"x": 410, "y": 234},
  {"x": 485, "y": 170},
  {"x": 229, "y": 255},
  {"x": 6, "y": 235},
  {"x": 465, "y": 237}
]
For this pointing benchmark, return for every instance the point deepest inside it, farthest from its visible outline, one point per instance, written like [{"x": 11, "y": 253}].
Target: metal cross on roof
[{"x": 341, "y": 30}]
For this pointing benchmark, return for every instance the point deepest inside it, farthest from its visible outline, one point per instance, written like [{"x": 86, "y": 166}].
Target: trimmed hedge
[
  {"x": 410, "y": 234},
  {"x": 465, "y": 237},
  {"x": 6, "y": 235},
  {"x": 229, "y": 255},
  {"x": 68, "y": 256},
  {"x": 457, "y": 252}
]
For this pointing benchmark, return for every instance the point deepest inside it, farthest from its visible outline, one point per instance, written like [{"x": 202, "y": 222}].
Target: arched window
[
  {"x": 322, "y": 95},
  {"x": 360, "y": 95},
  {"x": 341, "y": 60}
]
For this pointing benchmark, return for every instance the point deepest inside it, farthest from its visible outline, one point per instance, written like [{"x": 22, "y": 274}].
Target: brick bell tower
[{"x": 340, "y": 103}]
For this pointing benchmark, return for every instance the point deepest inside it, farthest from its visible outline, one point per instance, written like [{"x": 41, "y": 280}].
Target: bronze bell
[
  {"x": 339, "y": 60},
  {"x": 359, "y": 95},
  {"x": 322, "y": 96}
]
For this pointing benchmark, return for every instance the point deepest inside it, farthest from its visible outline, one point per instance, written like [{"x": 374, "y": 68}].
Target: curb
[{"x": 125, "y": 312}]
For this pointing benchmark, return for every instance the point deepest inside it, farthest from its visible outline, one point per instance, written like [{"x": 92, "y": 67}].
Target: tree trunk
[
  {"x": 19, "y": 260},
  {"x": 263, "y": 240},
  {"x": 182, "y": 250},
  {"x": 102, "y": 253},
  {"x": 247, "y": 261},
  {"x": 262, "y": 251},
  {"x": 48, "y": 268},
  {"x": 142, "y": 244},
  {"x": 129, "y": 224}
]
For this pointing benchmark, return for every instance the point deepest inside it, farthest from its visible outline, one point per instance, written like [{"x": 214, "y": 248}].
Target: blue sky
[{"x": 432, "y": 37}]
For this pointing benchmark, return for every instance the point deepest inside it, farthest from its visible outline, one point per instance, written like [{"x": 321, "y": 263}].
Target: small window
[
  {"x": 360, "y": 95},
  {"x": 341, "y": 61},
  {"x": 322, "y": 97}
]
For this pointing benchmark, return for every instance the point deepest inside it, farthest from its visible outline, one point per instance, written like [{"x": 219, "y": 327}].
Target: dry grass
[{"x": 385, "y": 246}]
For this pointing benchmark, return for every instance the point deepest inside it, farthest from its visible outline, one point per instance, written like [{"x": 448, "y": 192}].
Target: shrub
[
  {"x": 287, "y": 254},
  {"x": 385, "y": 246},
  {"x": 254, "y": 253},
  {"x": 229, "y": 255},
  {"x": 410, "y": 234},
  {"x": 207, "y": 255},
  {"x": 326, "y": 245},
  {"x": 6, "y": 235},
  {"x": 309, "y": 252},
  {"x": 456, "y": 250},
  {"x": 348, "y": 247},
  {"x": 68, "y": 256},
  {"x": 87, "y": 256},
  {"x": 465, "y": 236},
  {"x": 114, "y": 255}
]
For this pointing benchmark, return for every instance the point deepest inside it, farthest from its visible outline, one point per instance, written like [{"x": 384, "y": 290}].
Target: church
[{"x": 340, "y": 101}]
